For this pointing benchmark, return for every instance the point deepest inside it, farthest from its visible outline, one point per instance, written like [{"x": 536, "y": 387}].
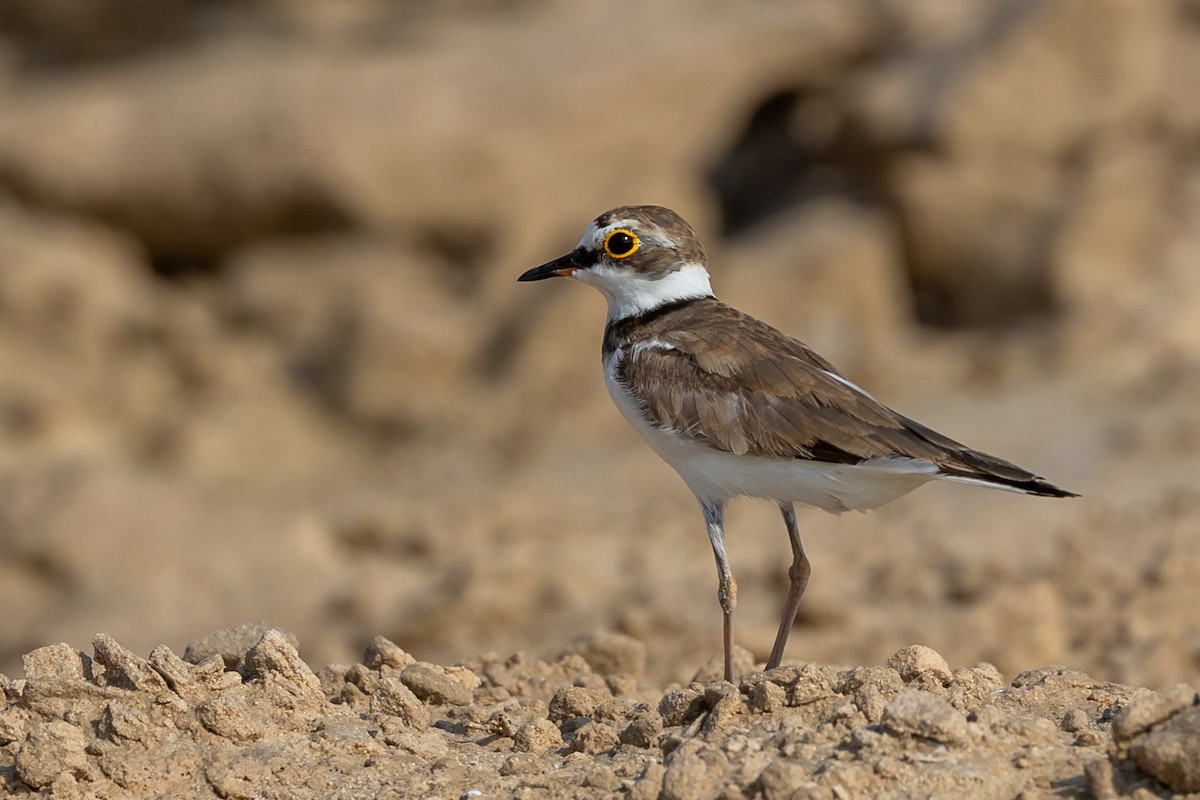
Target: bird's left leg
[
  {"x": 714, "y": 520},
  {"x": 798, "y": 573}
]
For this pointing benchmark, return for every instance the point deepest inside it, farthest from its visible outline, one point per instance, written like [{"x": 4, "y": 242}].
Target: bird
[{"x": 738, "y": 408}]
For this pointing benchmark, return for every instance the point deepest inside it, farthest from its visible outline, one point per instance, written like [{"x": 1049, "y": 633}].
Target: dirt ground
[
  {"x": 242, "y": 716},
  {"x": 263, "y": 357}
]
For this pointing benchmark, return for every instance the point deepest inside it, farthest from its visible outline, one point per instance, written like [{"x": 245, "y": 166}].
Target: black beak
[{"x": 559, "y": 267}]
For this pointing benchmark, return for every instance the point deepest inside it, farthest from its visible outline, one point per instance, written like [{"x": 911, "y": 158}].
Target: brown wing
[{"x": 741, "y": 386}]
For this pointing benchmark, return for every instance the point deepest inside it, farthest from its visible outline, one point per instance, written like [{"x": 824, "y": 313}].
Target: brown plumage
[{"x": 739, "y": 385}]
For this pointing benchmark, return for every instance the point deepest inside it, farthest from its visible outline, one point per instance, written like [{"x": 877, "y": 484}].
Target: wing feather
[{"x": 741, "y": 386}]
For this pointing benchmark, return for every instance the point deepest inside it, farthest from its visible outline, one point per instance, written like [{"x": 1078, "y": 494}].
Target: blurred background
[{"x": 262, "y": 355}]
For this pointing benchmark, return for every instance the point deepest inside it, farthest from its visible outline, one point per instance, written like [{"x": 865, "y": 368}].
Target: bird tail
[{"x": 1030, "y": 485}]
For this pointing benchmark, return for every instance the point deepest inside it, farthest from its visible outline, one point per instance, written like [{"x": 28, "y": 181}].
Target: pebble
[
  {"x": 680, "y": 706},
  {"x": 574, "y": 701},
  {"x": 695, "y": 774},
  {"x": 275, "y": 659},
  {"x": 50, "y": 749},
  {"x": 232, "y": 643},
  {"x": 392, "y": 697},
  {"x": 124, "y": 669},
  {"x": 229, "y": 715},
  {"x": 58, "y": 661},
  {"x": 782, "y": 779},
  {"x": 594, "y": 737},
  {"x": 917, "y": 662},
  {"x": 725, "y": 713},
  {"x": 918, "y": 713},
  {"x": 871, "y": 701},
  {"x": 648, "y": 785},
  {"x": 440, "y": 685},
  {"x": 538, "y": 734},
  {"x": 363, "y": 677},
  {"x": 1143, "y": 714},
  {"x": 766, "y": 697},
  {"x": 1171, "y": 751},
  {"x": 383, "y": 652},
  {"x": 644, "y": 731},
  {"x": 1075, "y": 720}
]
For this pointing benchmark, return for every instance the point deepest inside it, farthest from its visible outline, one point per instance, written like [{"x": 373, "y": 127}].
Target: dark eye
[{"x": 621, "y": 243}]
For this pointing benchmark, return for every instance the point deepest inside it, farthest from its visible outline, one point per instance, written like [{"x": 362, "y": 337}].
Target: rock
[
  {"x": 649, "y": 784},
  {"x": 274, "y": 660},
  {"x": 574, "y": 701},
  {"x": 15, "y": 722},
  {"x": 50, "y": 749},
  {"x": 645, "y": 731},
  {"x": 59, "y": 661},
  {"x": 918, "y": 663},
  {"x": 177, "y": 673},
  {"x": 1171, "y": 751},
  {"x": 603, "y": 778},
  {"x": 1144, "y": 713},
  {"x": 695, "y": 773},
  {"x": 782, "y": 778},
  {"x": 363, "y": 677},
  {"x": 440, "y": 685},
  {"x": 817, "y": 682},
  {"x": 536, "y": 735},
  {"x": 1100, "y": 778},
  {"x": 726, "y": 713},
  {"x": 123, "y": 669},
  {"x": 593, "y": 737},
  {"x": 716, "y": 691},
  {"x": 392, "y": 697},
  {"x": 231, "y": 715},
  {"x": 232, "y": 643},
  {"x": 918, "y": 713},
  {"x": 886, "y": 679},
  {"x": 1075, "y": 720},
  {"x": 974, "y": 686},
  {"x": 119, "y": 722},
  {"x": 680, "y": 707},
  {"x": 767, "y": 697},
  {"x": 382, "y": 652},
  {"x": 871, "y": 701},
  {"x": 615, "y": 709},
  {"x": 611, "y": 653}
]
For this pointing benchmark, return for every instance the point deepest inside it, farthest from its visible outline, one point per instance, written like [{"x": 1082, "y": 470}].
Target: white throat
[{"x": 629, "y": 294}]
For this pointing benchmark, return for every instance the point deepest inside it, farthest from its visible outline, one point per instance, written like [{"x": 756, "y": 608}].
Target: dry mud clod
[{"x": 140, "y": 727}]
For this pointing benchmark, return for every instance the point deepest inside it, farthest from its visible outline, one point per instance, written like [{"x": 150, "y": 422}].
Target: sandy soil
[
  {"x": 257, "y": 722},
  {"x": 262, "y": 356}
]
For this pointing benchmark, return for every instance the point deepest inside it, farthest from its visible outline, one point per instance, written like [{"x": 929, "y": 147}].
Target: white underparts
[
  {"x": 717, "y": 475},
  {"x": 629, "y": 293}
]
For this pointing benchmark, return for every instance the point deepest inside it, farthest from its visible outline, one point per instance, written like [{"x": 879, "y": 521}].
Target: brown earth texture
[{"x": 263, "y": 357}]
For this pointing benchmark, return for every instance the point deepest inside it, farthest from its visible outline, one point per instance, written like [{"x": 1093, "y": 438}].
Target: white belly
[{"x": 718, "y": 475}]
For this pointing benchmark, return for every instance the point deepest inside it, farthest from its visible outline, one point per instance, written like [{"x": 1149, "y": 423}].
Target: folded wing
[{"x": 741, "y": 386}]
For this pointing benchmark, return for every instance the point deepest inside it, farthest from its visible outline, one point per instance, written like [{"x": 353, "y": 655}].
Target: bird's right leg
[
  {"x": 714, "y": 520},
  {"x": 799, "y": 573}
]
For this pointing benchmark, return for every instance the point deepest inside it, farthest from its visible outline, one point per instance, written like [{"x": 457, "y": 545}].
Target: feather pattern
[{"x": 721, "y": 378}]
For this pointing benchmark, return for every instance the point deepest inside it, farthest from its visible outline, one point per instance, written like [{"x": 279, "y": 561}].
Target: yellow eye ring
[{"x": 621, "y": 243}]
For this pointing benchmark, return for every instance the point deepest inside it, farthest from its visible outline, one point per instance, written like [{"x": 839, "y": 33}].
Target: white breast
[{"x": 719, "y": 475}]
